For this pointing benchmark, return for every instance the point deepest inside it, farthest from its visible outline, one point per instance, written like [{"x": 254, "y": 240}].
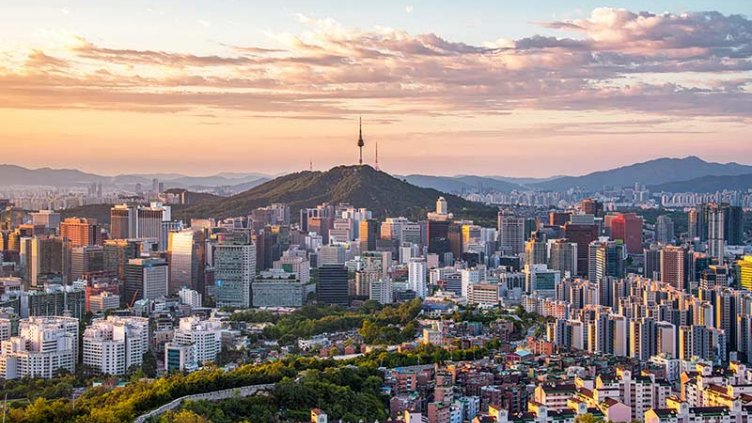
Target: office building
[
  {"x": 85, "y": 260},
  {"x": 47, "y": 219},
  {"x": 278, "y": 288},
  {"x": 145, "y": 279},
  {"x": 511, "y": 233},
  {"x": 117, "y": 252},
  {"x": 582, "y": 235},
  {"x": 123, "y": 222},
  {"x": 185, "y": 249},
  {"x": 44, "y": 260},
  {"x": 79, "y": 231},
  {"x": 331, "y": 255},
  {"x": 626, "y": 227},
  {"x": 234, "y": 269},
  {"x": 332, "y": 287}
]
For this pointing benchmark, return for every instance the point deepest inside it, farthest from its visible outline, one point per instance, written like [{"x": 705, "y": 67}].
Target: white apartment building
[
  {"x": 43, "y": 346},
  {"x": 113, "y": 345}
]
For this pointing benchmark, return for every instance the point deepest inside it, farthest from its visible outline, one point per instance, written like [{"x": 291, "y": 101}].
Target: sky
[{"x": 510, "y": 88}]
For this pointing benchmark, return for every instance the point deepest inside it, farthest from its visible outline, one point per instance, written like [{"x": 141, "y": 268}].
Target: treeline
[
  {"x": 377, "y": 324},
  {"x": 334, "y": 390},
  {"x": 331, "y": 385}
]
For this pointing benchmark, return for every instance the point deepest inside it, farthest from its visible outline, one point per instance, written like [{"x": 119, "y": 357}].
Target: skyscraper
[
  {"x": 664, "y": 230},
  {"x": 332, "y": 287},
  {"x": 715, "y": 225},
  {"x": 606, "y": 259},
  {"x": 511, "y": 233},
  {"x": 745, "y": 273},
  {"x": 417, "y": 276},
  {"x": 626, "y": 227},
  {"x": 563, "y": 257},
  {"x": 145, "y": 278},
  {"x": 582, "y": 235},
  {"x": 46, "y": 218},
  {"x": 184, "y": 248},
  {"x": 234, "y": 269},
  {"x": 674, "y": 266},
  {"x": 367, "y": 234},
  {"x": 123, "y": 222},
  {"x": 79, "y": 231},
  {"x": 45, "y": 259}
]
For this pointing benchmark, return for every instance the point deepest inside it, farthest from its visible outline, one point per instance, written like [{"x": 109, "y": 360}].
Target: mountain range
[
  {"x": 20, "y": 176},
  {"x": 360, "y": 186},
  {"x": 667, "y": 174}
]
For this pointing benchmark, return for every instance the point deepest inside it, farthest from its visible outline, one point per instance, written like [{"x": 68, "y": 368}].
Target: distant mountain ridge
[
  {"x": 360, "y": 186},
  {"x": 21, "y": 176},
  {"x": 653, "y": 172},
  {"x": 462, "y": 184},
  {"x": 710, "y": 183}
]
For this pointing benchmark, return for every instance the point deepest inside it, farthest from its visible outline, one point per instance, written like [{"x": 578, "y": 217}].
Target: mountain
[
  {"x": 707, "y": 184},
  {"x": 17, "y": 175},
  {"x": 656, "y": 172},
  {"x": 461, "y": 184},
  {"x": 360, "y": 186}
]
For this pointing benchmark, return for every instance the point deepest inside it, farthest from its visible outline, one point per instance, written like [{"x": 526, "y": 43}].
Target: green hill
[{"x": 360, "y": 186}]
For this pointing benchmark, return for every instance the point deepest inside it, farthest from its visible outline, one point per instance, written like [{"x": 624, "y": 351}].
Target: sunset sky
[{"x": 510, "y": 88}]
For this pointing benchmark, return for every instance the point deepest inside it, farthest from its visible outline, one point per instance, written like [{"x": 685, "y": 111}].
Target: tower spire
[
  {"x": 361, "y": 143},
  {"x": 377, "y": 156}
]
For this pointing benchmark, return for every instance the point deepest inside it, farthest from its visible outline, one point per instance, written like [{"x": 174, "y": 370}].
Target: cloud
[
  {"x": 409, "y": 9},
  {"x": 332, "y": 70}
]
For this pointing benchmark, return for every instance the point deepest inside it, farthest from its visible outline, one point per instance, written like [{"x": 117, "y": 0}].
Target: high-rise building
[
  {"x": 417, "y": 276},
  {"x": 582, "y": 235},
  {"x": 145, "y": 278},
  {"x": 112, "y": 346},
  {"x": 149, "y": 220},
  {"x": 626, "y": 227},
  {"x": 85, "y": 260},
  {"x": 557, "y": 218},
  {"x": 674, "y": 266},
  {"x": 714, "y": 214},
  {"x": 664, "y": 230},
  {"x": 591, "y": 206},
  {"x": 46, "y": 259},
  {"x": 116, "y": 254},
  {"x": 190, "y": 297},
  {"x": 332, "y": 286},
  {"x": 745, "y": 273},
  {"x": 331, "y": 255},
  {"x": 234, "y": 269},
  {"x": 535, "y": 251},
  {"x": 511, "y": 233},
  {"x": 46, "y": 218},
  {"x": 606, "y": 259},
  {"x": 123, "y": 222},
  {"x": 652, "y": 266},
  {"x": 563, "y": 256},
  {"x": 44, "y": 345},
  {"x": 438, "y": 238},
  {"x": 368, "y": 234},
  {"x": 79, "y": 231},
  {"x": 202, "y": 337},
  {"x": 185, "y": 249},
  {"x": 693, "y": 224}
]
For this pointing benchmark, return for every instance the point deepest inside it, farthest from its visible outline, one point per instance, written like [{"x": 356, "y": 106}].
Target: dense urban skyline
[{"x": 265, "y": 89}]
